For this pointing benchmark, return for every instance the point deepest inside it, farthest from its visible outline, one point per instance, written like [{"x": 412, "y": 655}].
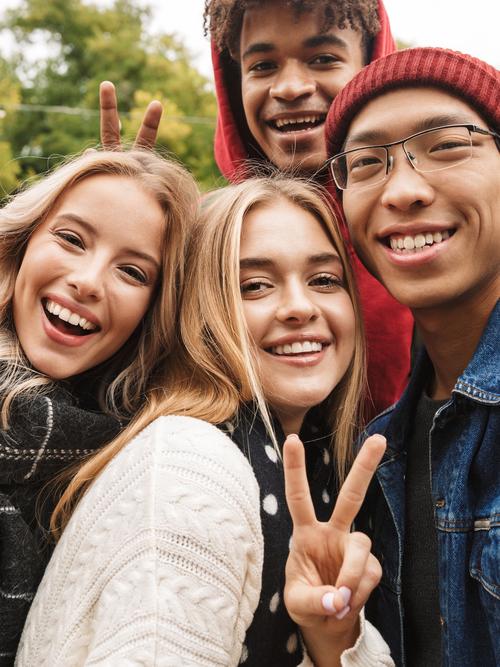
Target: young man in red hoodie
[{"x": 278, "y": 65}]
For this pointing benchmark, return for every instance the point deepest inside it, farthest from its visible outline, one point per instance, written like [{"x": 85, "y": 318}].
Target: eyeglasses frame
[{"x": 468, "y": 126}]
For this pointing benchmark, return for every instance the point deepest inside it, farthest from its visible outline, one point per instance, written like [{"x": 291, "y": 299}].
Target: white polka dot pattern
[
  {"x": 275, "y": 600},
  {"x": 270, "y": 504},
  {"x": 292, "y": 643},
  {"x": 271, "y": 453}
]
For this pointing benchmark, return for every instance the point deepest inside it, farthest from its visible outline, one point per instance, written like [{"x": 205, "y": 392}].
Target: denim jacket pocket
[{"x": 485, "y": 555}]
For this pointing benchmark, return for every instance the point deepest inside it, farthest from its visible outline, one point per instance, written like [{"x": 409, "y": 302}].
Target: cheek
[
  {"x": 343, "y": 325},
  {"x": 255, "y": 320},
  {"x": 251, "y": 96},
  {"x": 128, "y": 318}
]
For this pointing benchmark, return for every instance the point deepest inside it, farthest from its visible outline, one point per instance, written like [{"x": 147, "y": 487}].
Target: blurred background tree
[{"x": 84, "y": 45}]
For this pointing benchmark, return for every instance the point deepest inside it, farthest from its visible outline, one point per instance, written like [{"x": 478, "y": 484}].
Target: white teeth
[
  {"x": 68, "y": 316},
  {"x": 65, "y": 314},
  {"x": 298, "y": 348},
  {"x": 419, "y": 241},
  {"x": 411, "y": 244},
  {"x": 280, "y": 122}
]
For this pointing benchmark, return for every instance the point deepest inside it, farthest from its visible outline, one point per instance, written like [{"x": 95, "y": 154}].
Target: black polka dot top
[{"x": 273, "y": 638}]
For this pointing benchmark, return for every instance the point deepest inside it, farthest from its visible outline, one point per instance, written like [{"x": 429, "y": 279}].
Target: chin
[{"x": 300, "y": 165}]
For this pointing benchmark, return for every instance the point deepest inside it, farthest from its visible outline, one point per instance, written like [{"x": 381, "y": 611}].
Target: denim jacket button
[
  {"x": 440, "y": 503},
  {"x": 441, "y": 620}
]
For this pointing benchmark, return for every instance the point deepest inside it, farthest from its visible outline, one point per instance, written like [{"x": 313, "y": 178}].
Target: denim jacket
[{"x": 465, "y": 477}]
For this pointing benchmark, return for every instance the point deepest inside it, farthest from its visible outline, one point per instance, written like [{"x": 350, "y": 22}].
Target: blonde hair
[
  {"x": 213, "y": 370},
  {"x": 124, "y": 376}
]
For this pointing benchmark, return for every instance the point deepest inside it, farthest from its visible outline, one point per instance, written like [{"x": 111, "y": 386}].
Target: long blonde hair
[
  {"x": 124, "y": 376},
  {"x": 212, "y": 371}
]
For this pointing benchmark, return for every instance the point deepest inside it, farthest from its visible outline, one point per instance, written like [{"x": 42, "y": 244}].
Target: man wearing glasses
[{"x": 414, "y": 140}]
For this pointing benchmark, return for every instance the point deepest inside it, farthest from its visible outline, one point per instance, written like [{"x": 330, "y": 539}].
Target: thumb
[{"x": 308, "y": 605}]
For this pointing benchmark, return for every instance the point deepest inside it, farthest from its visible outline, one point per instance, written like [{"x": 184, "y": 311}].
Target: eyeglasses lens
[{"x": 429, "y": 151}]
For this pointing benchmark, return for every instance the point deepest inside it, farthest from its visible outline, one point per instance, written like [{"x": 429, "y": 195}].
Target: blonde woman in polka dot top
[{"x": 176, "y": 535}]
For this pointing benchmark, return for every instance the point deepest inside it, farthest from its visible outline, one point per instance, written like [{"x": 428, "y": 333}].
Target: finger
[
  {"x": 110, "y": 123},
  {"x": 298, "y": 495},
  {"x": 353, "y": 491},
  {"x": 148, "y": 131},
  {"x": 308, "y": 605},
  {"x": 356, "y": 554},
  {"x": 368, "y": 582}
]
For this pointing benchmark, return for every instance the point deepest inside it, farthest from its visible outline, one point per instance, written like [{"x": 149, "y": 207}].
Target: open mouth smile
[
  {"x": 66, "y": 321},
  {"x": 297, "y": 348},
  {"x": 411, "y": 244},
  {"x": 299, "y": 123}
]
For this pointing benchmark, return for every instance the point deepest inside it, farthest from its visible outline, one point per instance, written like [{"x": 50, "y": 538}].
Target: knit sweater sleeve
[
  {"x": 161, "y": 562},
  {"x": 370, "y": 649}
]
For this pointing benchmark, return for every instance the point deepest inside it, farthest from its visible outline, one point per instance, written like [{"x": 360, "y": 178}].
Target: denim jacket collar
[{"x": 480, "y": 382}]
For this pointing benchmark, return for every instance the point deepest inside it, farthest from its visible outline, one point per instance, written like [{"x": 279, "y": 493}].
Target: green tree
[{"x": 89, "y": 44}]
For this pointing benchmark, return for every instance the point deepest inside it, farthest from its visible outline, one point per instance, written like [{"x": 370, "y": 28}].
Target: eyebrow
[
  {"x": 310, "y": 43},
  {"x": 92, "y": 229},
  {"x": 379, "y": 136},
  {"x": 262, "y": 262}
]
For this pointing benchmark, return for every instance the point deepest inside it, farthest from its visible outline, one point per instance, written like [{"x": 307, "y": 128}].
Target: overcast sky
[{"x": 470, "y": 27}]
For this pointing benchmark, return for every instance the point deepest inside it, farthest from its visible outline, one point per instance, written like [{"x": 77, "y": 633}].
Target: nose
[
  {"x": 87, "y": 278},
  {"x": 405, "y": 187},
  {"x": 296, "y": 305},
  {"x": 292, "y": 81}
]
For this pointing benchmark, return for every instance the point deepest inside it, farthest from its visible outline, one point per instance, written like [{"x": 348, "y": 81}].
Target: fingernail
[
  {"x": 292, "y": 435},
  {"x": 327, "y": 602},
  {"x": 343, "y": 613},
  {"x": 346, "y": 594}
]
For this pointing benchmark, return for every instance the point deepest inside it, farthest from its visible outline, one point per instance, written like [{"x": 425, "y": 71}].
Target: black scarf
[{"x": 47, "y": 434}]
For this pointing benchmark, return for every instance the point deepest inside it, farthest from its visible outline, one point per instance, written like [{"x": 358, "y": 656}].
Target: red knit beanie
[{"x": 476, "y": 82}]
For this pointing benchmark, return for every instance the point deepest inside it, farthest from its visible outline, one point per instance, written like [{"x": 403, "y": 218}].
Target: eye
[
  {"x": 450, "y": 145},
  {"x": 255, "y": 287},
  {"x": 262, "y": 66},
  {"x": 70, "y": 237},
  {"x": 364, "y": 160},
  {"x": 136, "y": 274},
  {"x": 325, "y": 59},
  {"x": 327, "y": 282}
]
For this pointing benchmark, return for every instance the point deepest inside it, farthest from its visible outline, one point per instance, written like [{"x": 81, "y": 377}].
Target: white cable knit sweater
[{"x": 160, "y": 565}]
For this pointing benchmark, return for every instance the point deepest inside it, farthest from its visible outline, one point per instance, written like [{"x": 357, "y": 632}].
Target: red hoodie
[{"x": 388, "y": 324}]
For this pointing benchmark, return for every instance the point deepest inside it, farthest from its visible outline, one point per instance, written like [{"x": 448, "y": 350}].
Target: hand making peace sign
[
  {"x": 110, "y": 123},
  {"x": 330, "y": 571}
]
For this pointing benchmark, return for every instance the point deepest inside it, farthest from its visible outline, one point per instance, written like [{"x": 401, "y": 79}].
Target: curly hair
[{"x": 223, "y": 18}]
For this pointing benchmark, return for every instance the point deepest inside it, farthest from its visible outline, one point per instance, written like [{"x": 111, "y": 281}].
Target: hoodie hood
[{"x": 234, "y": 143}]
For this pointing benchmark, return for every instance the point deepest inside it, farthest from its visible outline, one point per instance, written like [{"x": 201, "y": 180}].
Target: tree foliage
[{"x": 86, "y": 44}]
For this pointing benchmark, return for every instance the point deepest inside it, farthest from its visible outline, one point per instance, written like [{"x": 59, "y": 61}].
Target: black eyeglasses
[{"x": 431, "y": 150}]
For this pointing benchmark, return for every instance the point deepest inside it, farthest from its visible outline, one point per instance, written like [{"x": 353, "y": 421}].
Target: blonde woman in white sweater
[{"x": 175, "y": 536}]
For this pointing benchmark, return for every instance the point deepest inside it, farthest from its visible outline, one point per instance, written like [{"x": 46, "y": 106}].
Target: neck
[
  {"x": 451, "y": 334},
  {"x": 291, "y": 423}
]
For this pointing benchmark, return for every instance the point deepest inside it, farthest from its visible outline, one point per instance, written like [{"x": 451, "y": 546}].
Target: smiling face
[
  {"x": 290, "y": 73},
  {"x": 88, "y": 275},
  {"x": 297, "y": 308},
  {"x": 456, "y": 211}
]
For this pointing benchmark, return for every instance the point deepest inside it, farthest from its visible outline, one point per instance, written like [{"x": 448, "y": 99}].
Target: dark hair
[{"x": 223, "y": 19}]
